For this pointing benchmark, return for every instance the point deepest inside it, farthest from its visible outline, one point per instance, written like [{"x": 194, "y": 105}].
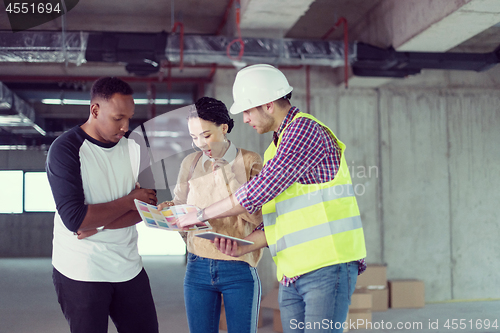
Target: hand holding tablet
[{"x": 212, "y": 235}]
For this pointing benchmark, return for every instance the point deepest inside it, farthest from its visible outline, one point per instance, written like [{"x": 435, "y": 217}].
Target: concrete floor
[{"x": 28, "y": 303}]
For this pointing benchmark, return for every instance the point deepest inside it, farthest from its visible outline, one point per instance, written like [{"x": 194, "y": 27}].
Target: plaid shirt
[{"x": 307, "y": 155}]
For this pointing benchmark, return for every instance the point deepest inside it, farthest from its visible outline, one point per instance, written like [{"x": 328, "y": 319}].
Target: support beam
[
  {"x": 455, "y": 28},
  {"x": 423, "y": 25},
  {"x": 271, "y": 19}
]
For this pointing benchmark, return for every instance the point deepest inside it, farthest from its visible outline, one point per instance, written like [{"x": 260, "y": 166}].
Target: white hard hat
[{"x": 257, "y": 85}]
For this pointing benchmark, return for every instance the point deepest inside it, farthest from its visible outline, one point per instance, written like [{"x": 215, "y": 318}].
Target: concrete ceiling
[{"x": 409, "y": 25}]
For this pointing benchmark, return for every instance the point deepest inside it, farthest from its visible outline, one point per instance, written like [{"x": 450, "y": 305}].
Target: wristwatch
[{"x": 200, "y": 214}]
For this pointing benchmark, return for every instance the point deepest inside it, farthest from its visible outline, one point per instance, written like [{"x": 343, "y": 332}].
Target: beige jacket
[{"x": 206, "y": 187}]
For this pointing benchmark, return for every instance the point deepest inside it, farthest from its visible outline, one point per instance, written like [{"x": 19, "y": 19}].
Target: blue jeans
[
  {"x": 206, "y": 280},
  {"x": 319, "y": 300}
]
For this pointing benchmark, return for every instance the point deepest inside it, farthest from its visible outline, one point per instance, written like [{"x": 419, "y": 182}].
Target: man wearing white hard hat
[{"x": 312, "y": 223}]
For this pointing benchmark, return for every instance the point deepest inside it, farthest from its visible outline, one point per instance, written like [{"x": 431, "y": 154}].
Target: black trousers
[{"x": 87, "y": 305}]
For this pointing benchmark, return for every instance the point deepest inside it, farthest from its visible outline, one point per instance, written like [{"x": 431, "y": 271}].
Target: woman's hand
[
  {"x": 228, "y": 247},
  {"x": 186, "y": 221},
  {"x": 219, "y": 163},
  {"x": 165, "y": 204},
  {"x": 231, "y": 248}
]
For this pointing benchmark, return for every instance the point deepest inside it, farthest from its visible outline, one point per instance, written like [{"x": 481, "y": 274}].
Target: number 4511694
[
  {"x": 463, "y": 324},
  {"x": 32, "y": 8}
]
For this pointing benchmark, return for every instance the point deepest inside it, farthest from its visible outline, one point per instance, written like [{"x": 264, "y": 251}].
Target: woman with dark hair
[{"x": 207, "y": 176}]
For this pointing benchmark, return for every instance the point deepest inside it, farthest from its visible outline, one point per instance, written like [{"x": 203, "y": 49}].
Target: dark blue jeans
[
  {"x": 319, "y": 300},
  {"x": 87, "y": 305},
  {"x": 206, "y": 280}
]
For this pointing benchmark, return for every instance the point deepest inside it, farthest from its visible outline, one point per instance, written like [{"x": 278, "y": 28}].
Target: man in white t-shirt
[{"x": 93, "y": 171}]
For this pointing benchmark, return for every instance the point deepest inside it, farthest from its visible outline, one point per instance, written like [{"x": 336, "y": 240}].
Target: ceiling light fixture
[
  {"x": 138, "y": 101},
  {"x": 13, "y": 147}
]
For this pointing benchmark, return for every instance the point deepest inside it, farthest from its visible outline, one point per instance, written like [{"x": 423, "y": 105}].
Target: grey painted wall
[{"x": 424, "y": 158}]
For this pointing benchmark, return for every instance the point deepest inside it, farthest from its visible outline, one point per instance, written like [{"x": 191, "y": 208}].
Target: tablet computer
[{"x": 211, "y": 235}]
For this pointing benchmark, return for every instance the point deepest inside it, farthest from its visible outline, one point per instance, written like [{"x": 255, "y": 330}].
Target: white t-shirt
[{"x": 82, "y": 171}]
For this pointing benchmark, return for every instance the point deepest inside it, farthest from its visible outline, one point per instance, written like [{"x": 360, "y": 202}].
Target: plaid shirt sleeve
[{"x": 301, "y": 149}]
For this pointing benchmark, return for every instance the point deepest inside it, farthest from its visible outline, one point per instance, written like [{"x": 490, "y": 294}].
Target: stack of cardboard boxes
[
  {"x": 373, "y": 293},
  {"x": 374, "y": 282},
  {"x": 360, "y": 310},
  {"x": 384, "y": 294}
]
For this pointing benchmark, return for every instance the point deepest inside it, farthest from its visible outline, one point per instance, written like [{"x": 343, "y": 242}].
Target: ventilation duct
[
  {"x": 17, "y": 116},
  {"x": 213, "y": 49},
  {"x": 43, "y": 47},
  {"x": 142, "y": 52},
  {"x": 373, "y": 61},
  {"x": 6, "y": 98}
]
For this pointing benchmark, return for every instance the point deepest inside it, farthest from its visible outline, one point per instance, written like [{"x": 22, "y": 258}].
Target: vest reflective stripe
[
  {"x": 309, "y": 226},
  {"x": 313, "y": 198},
  {"x": 318, "y": 231},
  {"x": 309, "y": 199},
  {"x": 269, "y": 219}
]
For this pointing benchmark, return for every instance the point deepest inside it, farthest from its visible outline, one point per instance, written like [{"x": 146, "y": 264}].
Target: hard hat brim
[{"x": 237, "y": 108}]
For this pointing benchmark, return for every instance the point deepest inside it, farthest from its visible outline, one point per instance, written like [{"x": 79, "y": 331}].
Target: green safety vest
[{"x": 312, "y": 226}]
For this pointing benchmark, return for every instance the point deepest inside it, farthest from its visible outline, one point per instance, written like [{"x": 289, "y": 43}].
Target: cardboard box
[
  {"x": 361, "y": 300},
  {"x": 375, "y": 277},
  {"x": 360, "y": 309},
  {"x": 406, "y": 294},
  {"x": 359, "y": 319},
  {"x": 380, "y": 298},
  {"x": 223, "y": 322}
]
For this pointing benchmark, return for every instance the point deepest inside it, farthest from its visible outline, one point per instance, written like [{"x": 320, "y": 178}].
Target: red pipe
[
  {"x": 212, "y": 72},
  {"x": 346, "y": 46},
  {"x": 181, "y": 46},
  {"x": 239, "y": 39},
  {"x": 224, "y": 20}
]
